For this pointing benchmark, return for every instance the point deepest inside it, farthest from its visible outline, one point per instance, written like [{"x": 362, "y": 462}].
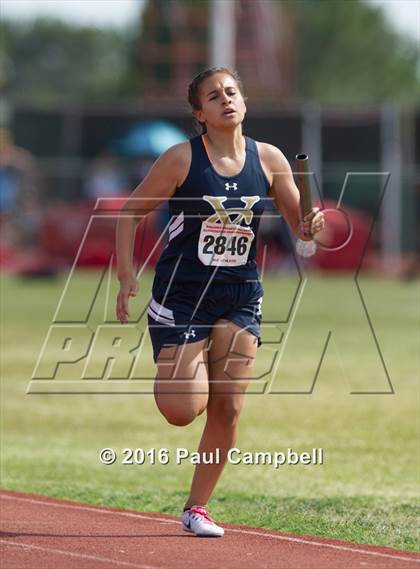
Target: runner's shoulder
[
  {"x": 178, "y": 159},
  {"x": 272, "y": 157},
  {"x": 175, "y": 162},
  {"x": 179, "y": 151}
]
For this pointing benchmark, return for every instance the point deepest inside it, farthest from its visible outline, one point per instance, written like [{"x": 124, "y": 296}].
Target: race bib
[{"x": 224, "y": 245}]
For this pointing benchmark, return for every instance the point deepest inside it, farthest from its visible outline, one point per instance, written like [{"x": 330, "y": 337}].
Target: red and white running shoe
[{"x": 197, "y": 520}]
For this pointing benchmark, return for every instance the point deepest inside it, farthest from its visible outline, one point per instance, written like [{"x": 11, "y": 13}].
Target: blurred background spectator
[
  {"x": 105, "y": 178},
  {"x": 21, "y": 211}
]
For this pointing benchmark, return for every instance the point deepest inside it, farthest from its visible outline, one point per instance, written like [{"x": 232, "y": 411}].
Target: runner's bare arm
[
  {"x": 166, "y": 174},
  {"x": 284, "y": 191}
]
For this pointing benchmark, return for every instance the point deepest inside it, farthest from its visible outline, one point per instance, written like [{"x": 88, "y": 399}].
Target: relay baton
[{"x": 304, "y": 248}]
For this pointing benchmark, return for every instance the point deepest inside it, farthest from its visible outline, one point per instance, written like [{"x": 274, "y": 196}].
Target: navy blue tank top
[{"x": 214, "y": 220}]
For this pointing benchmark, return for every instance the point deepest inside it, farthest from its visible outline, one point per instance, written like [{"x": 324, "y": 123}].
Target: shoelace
[{"x": 202, "y": 512}]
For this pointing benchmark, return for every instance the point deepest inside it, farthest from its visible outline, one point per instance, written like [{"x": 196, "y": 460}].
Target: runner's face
[{"x": 222, "y": 104}]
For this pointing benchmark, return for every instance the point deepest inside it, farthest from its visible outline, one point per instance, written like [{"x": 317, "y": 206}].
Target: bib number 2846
[{"x": 227, "y": 245}]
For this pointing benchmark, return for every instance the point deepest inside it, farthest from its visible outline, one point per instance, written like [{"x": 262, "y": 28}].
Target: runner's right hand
[{"x": 128, "y": 287}]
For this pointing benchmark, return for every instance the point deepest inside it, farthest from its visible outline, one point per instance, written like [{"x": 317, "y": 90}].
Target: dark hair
[{"x": 194, "y": 87}]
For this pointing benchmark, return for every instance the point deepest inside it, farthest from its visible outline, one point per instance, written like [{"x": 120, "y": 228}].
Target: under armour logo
[
  {"x": 189, "y": 334},
  {"x": 233, "y": 186}
]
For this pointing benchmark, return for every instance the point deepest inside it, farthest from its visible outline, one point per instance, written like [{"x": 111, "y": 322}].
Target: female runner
[{"x": 205, "y": 312}]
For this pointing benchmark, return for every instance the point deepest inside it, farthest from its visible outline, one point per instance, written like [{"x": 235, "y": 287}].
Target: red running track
[{"x": 44, "y": 533}]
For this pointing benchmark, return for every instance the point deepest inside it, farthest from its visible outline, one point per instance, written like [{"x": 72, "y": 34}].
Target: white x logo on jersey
[{"x": 233, "y": 186}]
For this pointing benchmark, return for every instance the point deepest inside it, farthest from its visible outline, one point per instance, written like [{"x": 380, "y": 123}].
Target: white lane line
[
  {"x": 244, "y": 531},
  {"x": 330, "y": 545},
  {"x": 72, "y": 554}
]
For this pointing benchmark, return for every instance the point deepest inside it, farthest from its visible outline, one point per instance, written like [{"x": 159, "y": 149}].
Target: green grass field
[{"x": 366, "y": 491}]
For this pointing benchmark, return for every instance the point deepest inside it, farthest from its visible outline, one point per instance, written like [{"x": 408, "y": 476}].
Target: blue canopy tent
[{"x": 149, "y": 138}]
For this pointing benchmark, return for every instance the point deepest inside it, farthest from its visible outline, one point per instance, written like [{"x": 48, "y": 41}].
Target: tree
[
  {"x": 48, "y": 59},
  {"x": 348, "y": 54}
]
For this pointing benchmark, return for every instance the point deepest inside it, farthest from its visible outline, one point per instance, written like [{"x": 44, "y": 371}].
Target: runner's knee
[
  {"x": 179, "y": 418},
  {"x": 224, "y": 410},
  {"x": 180, "y": 410}
]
